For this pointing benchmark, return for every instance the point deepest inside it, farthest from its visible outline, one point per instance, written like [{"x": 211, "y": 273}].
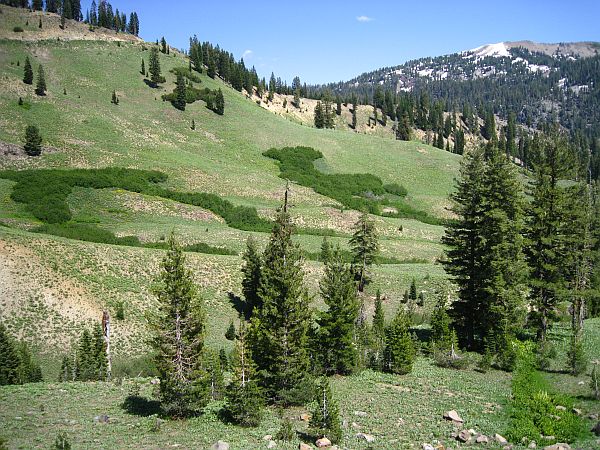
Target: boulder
[
  {"x": 268, "y": 437},
  {"x": 577, "y": 411},
  {"x": 323, "y": 442},
  {"x": 427, "y": 447},
  {"x": 304, "y": 446},
  {"x": 360, "y": 413},
  {"x": 560, "y": 408},
  {"x": 102, "y": 418},
  {"x": 482, "y": 439},
  {"x": 453, "y": 416},
  {"x": 220, "y": 445},
  {"x": 532, "y": 444},
  {"x": 272, "y": 444},
  {"x": 500, "y": 439},
  {"x": 367, "y": 437},
  {"x": 463, "y": 436},
  {"x": 305, "y": 417},
  {"x": 558, "y": 446}
]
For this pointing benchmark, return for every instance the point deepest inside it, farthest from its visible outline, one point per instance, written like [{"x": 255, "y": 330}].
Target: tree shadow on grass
[
  {"x": 141, "y": 406},
  {"x": 238, "y": 304}
]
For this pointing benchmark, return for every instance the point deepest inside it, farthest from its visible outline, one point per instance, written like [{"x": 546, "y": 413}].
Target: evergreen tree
[
  {"x": 243, "y": 398},
  {"x": 326, "y": 250},
  {"x": 272, "y": 87},
  {"x": 33, "y": 141},
  {"x": 365, "y": 246},
  {"x": 214, "y": 369},
  {"x": 297, "y": 89},
  {"x": 336, "y": 324},
  {"x": 338, "y": 103},
  {"x": 51, "y": 6},
  {"x": 85, "y": 364},
  {"x": 27, "y": 72},
  {"x": 93, "y": 14},
  {"x": 29, "y": 370},
  {"x": 212, "y": 68},
  {"x": 459, "y": 142},
  {"x": 413, "y": 290},
  {"x": 40, "y": 88},
  {"x": 179, "y": 328},
  {"x": 465, "y": 248},
  {"x": 114, "y": 100},
  {"x": 154, "y": 66},
  {"x": 163, "y": 45},
  {"x": 37, "y": 5},
  {"x": 279, "y": 335},
  {"x": 251, "y": 278},
  {"x": 403, "y": 130},
  {"x": 219, "y": 102},
  {"x": 325, "y": 421},
  {"x": 143, "y": 69},
  {"x": 545, "y": 231},
  {"x": 354, "y": 122},
  {"x": 378, "y": 332},
  {"x": 66, "y": 370},
  {"x": 511, "y": 134},
  {"x": 230, "y": 333},
  {"x": 9, "y": 359},
  {"x": 440, "y": 325},
  {"x": 328, "y": 114},
  {"x": 180, "y": 90},
  {"x": 399, "y": 347},
  {"x": 100, "y": 359},
  {"x": 318, "y": 116},
  {"x": 67, "y": 9},
  {"x": 489, "y": 127}
]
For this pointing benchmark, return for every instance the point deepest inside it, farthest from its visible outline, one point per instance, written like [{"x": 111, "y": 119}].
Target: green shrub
[
  {"x": 533, "y": 408},
  {"x": 286, "y": 431},
  {"x": 362, "y": 192},
  {"x": 18, "y": 29},
  {"x": 396, "y": 189}
]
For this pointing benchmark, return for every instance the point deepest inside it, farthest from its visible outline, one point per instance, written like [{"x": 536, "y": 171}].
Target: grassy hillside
[{"x": 223, "y": 155}]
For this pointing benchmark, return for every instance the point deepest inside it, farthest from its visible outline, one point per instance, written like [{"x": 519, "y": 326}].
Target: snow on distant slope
[{"x": 498, "y": 49}]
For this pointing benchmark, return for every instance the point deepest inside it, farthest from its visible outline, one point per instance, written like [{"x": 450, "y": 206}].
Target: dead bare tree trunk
[{"x": 106, "y": 333}]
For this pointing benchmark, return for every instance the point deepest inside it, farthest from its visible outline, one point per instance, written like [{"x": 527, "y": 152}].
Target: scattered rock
[
  {"x": 102, "y": 418},
  {"x": 220, "y": 445},
  {"x": 593, "y": 417},
  {"x": 554, "y": 416},
  {"x": 323, "y": 442},
  {"x": 267, "y": 437},
  {"x": 482, "y": 439},
  {"x": 304, "y": 446},
  {"x": 558, "y": 446},
  {"x": 428, "y": 447},
  {"x": 532, "y": 444},
  {"x": 596, "y": 429},
  {"x": 453, "y": 416},
  {"x": 500, "y": 439},
  {"x": 367, "y": 437},
  {"x": 400, "y": 422},
  {"x": 577, "y": 412},
  {"x": 272, "y": 444},
  {"x": 464, "y": 436},
  {"x": 305, "y": 417},
  {"x": 560, "y": 408},
  {"x": 548, "y": 438},
  {"x": 155, "y": 381},
  {"x": 344, "y": 423},
  {"x": 507, "y": 447},
  {"x": 581, "y": 383},
  {"x": 360, "y": 413},
  {"x": 355, "y": 425}
]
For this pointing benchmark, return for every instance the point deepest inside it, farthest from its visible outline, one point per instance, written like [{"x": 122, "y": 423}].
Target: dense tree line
[{"x": 17, "y": 365}]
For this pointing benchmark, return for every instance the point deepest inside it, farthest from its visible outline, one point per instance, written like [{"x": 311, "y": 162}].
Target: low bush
[
  {"x": 396, "y": 189},
  {"x": 18, "y": 29},
  {"x": 534, "y": 410}
]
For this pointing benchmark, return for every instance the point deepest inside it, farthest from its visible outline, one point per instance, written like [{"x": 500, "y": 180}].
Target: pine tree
[
  {"x": 399, "y": 347},
  {"x": 29, "y": 370},
  {"x": 67, "y": 9},
  {"x": 163, "y": 45},
  {"x": 365, "y": 246},
  {"x": 40, "y": 88},
  {"x": 325, "y": 421},
  {"x": 193, "y": 126},
  {"x": 378, "y": 332},
  {"x": 297, "y": 89},
  {"x": 51, "y": 6},
  {"x": 212, "y": 68},
  {"x": 440, "y": 325},
  {"x": 354, "y": 121},
  {"x": 219, "y": 102},
  {"x": 154, "y": 66},
  {"x": 489, "y": 127},
  {"x": 279, "y": 335},
  {"x": 511, "y": 134},
  {"x": 251, "y": 278},
  {"x": 403, "y": 130},
  {"x": 33, "y": 141},
  {"x": 230, "y": 333},
  {"x": 214, "y": 369},
  {"x": 338, "y": 105},
  {"x": 328, "y": 114},
  {"x": 545, "y": 228},
  {"x": 100, "y": 360},
  {"x": 465, "y": 248},
  {"x": 9, "y": 359},
  {"x": 318, "y": 116},
  {"x": 272, "y": 88},
  {"x": 326, "y": 250},
  {"x": 413, "y": 290},
  {"x": 66, "y": 370},
  {"x": 243, "y": 398},
  {"x": 114, "y": 100},
  {"x": 337, "y": 323},
  {"x": 179, "y": 328},
  {"x": 27, "y": 72},
  {"x": 180, "y": 91},
  {"x": 85, "y": 365},
  {"x": 143, "y": 69}
]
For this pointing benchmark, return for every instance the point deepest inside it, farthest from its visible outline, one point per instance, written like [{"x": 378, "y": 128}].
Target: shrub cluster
[{"x": 362, "y": 192}]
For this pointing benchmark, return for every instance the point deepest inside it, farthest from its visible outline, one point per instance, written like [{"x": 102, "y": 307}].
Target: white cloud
[
  {"x": 247, "y": 54},
  {"x": 364, "y": 19}
]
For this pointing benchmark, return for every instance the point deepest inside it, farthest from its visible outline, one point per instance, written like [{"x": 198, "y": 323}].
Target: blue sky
[{"x": 332, "y": 40}]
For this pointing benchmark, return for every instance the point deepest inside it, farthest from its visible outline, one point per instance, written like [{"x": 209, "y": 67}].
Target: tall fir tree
[
  {"x": 33, "y": 141},
  {"x": 243, "y": 397},
  {"x": 318, "y": 116},
  {"x": 154, "y": 66},
  {"x": 279, "y": 334},
  {"x": 465, "y": 248},
  {"x": 337, "y": 323},
  {"x": 37, "y": 5},
  {"x": 9, "y": 359},
  {"x": 251, "y": 271},
  {"x": 399, "y": 347},
  {"x": 545, "y": 230},
  {"x": 27, "y": 72},
  {"x": 178, "y": 337},
  {"x": 52, "y": 6},
  {"x": 365, "y": 247},
  {"x": 40, "y": 87},
  {"x": 180, "y": 91}
]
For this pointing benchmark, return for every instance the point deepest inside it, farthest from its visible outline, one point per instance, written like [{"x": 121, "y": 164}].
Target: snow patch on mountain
[{"x": 497, "y": 50}]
